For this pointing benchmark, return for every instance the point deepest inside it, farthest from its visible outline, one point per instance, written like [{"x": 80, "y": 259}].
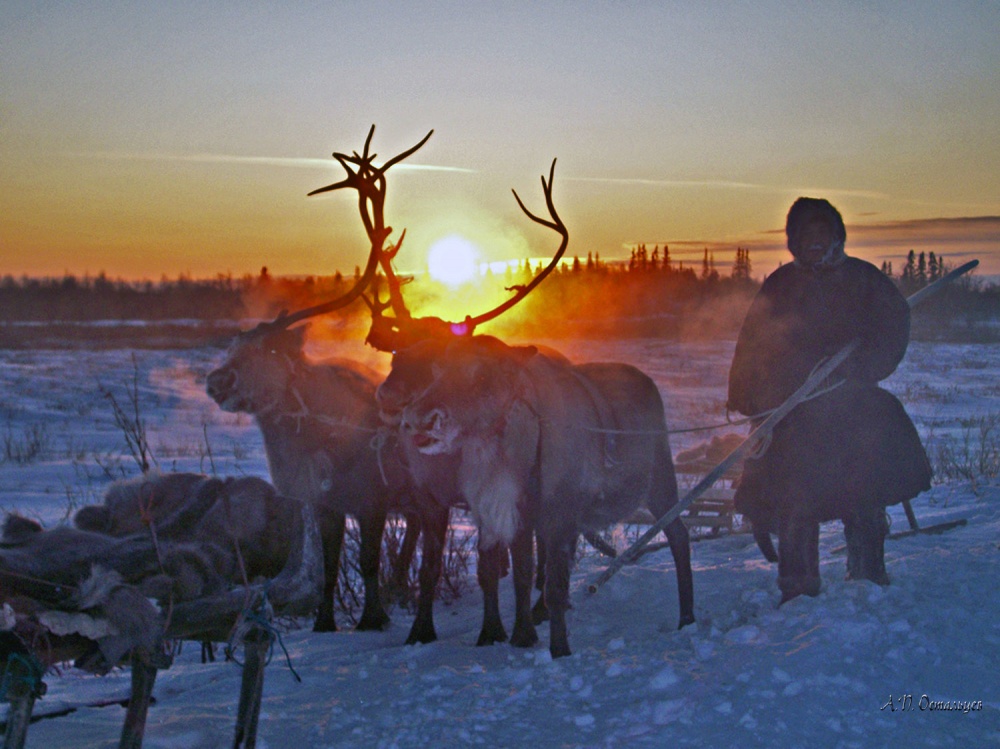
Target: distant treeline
[{"x": 648, "y": 295}]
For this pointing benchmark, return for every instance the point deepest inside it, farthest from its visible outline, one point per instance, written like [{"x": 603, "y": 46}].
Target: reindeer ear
[{"x": 523, "y": 353}]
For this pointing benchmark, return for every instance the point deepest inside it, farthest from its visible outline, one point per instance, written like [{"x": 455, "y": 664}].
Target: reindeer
[
  {"x": 319, "y": 420},
  {"x": 417, "y": 346},
  {"x": 548, "y": 447},
  {"x": 519, "y": 435}
]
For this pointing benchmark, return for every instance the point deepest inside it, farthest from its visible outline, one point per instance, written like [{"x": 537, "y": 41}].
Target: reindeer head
[
  {"x": 419, "y": 344},
  {"x": 474, "y": 384},
  {"x": 258, "y": 368},
  {"x": 261, "y": 362},
  {"x": 412, "y": 372}
]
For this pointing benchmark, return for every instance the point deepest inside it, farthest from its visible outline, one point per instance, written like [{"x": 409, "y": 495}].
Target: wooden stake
[
  {"x": 143, "y": 678},
  {"x": 21, "y": 697},
  {"x": 257, "y": 644}
]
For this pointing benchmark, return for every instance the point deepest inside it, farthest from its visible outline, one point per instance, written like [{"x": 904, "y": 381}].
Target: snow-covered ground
[{"x": 858, "y": 666}]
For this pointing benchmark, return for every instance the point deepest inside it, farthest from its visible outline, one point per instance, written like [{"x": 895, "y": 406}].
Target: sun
[{"x": 453, "y": 260}]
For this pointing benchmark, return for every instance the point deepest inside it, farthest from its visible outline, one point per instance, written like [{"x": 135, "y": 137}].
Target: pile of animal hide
[{"x": 116, "y": 580}]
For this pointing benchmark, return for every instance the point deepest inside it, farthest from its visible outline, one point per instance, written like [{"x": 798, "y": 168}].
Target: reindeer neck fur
[
  {"x": 497, "y": 468},
  {"x": 324, "y": 397},
  {"x": 318, "y": 435}
]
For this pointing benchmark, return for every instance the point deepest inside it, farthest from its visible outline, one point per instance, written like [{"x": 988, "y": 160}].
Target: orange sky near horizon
[{"x": 142, "y": 141}]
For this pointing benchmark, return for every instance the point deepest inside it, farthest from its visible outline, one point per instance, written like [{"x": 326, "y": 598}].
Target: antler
[
  {"x": 369, "y": 181},
  {"x": 522, "y": 291},
  {"x": 394, "y": 333}
]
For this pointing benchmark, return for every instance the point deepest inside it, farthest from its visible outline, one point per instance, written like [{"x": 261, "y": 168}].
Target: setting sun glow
[{"x": 453, "y": 260}]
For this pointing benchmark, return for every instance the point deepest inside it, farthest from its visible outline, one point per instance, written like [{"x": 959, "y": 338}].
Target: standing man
[{"x": 846, "y": 454}]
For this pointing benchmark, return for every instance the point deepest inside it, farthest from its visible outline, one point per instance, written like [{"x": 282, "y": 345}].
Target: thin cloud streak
[
  {"x": 731, "y": 185},
  {"x": 956, "y": 238},
  {"x": 278, "y": 161},
  {"x": 669, "y": 182}
]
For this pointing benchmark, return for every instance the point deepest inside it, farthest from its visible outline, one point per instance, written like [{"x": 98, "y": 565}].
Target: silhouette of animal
[
  {"x": 319, "y": 421},
  {"x": 547, "y": 447}
]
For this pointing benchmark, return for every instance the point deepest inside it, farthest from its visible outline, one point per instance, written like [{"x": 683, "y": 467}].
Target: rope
[
  {"x": 57, "y": 587},
  {"x": 377, "y": 444},
  {"x": 258, "y": 617},
  {"x": 31, "y": 675},
  {"x": 305, "y": 413},
  {"x": 146, "y": 516},
  {"x": 737, "y": 422}
]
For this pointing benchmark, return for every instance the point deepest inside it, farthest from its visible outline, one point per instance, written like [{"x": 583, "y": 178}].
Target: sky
[{"x": 144, "y": 139}]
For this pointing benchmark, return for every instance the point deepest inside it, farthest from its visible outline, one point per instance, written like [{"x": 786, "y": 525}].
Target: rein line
[{"x": 737, "y": 422}]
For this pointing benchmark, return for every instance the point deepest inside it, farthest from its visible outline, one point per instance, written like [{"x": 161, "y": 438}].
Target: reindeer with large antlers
[
  {"x": 534, "y": 444},
  {"x": 320, "y": 420},
  {"x": 419, "y": 345}
]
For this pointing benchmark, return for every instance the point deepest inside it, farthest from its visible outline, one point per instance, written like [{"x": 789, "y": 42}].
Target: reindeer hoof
[
  {"x": 559, "y": 651},
  {"x": 421, "y": 635},
  {"x": 324, "y": 625},
  {"x": 540, "y": 612},
  {"x": 686, "y": 620},
  {"x": 524, "y": 637},
  {"x": 879, "y": 578},
  {"x": 795, "y": 586},
  {"x": 491, "y": 636},
  {"x": 373, "y": 622}
]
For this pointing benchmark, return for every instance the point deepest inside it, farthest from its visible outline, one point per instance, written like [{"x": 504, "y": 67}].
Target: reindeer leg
[
  {"x": 143, "y": 678},
  {"x": 663, "y": 499},
  {"x": 523, "y": 558},
  {"x": 435, "y": 527},
  {"x": 540, "y": 612},
  {"x": 401, "y": 574},
  {"x": 22, "y": 700},
  {"x": 680, "y": 548},
  {"x": 372, "y": 524},
  {"x": 560, "y": 544},
  {"x": 257, "y": 643},
  {"x": 332, "y": 532},
  {"x": 488, "y": 574}
]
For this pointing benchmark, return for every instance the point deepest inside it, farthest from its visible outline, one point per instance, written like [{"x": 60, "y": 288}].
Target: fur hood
[{"x": 800, "y": 214}]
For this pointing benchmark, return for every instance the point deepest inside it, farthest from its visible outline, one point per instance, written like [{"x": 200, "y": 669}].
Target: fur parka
[{"x": 853, "y": 448}]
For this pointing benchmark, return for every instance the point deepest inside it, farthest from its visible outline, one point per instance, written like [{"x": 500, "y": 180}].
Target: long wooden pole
[{"x": 759, "y": 435}]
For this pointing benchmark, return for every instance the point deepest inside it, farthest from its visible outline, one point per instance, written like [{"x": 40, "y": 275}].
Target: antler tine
[
  {"x": 356, "y": 291},
  {"x": 353, "y": 179},
  {"x": 368, "y": 140},
  {"x": 374, "y": 304},
  {"x": 555, "y": 224},
  {"x": 369, "y": 181},
  {"x": 409, "y": 152},
  {"x": 391, "y": 252}
]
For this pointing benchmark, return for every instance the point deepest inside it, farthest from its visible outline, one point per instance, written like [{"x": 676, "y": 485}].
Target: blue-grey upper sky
[{"x": 143, "y": 138}]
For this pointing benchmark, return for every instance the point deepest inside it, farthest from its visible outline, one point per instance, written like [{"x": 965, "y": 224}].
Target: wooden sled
[{"x": 31, "y": 641}]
